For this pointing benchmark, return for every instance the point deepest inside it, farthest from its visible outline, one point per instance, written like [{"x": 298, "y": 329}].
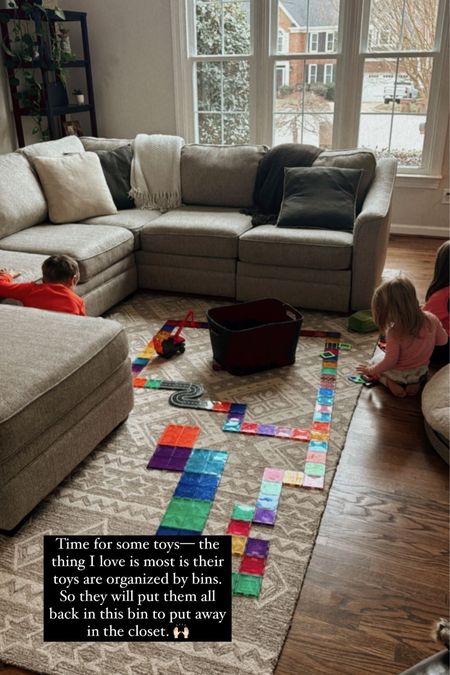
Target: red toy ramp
[{"x": 254, "y": 336}]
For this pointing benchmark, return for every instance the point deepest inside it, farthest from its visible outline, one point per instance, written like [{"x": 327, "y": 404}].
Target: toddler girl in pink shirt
[{"x": 411, "y": 335}]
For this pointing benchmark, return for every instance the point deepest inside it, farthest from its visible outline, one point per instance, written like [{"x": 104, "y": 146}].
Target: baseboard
[{"x": 419, "y": 230}]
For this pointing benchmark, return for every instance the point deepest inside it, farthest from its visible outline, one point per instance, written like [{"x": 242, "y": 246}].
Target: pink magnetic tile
[
  {"x": 252, "y": 565},
  {"x": 264, "y": 516},
  {"x": 314, "y": 482},
  {"x": 317, "y": 457},
  {"x": 249, "y": 428},
  {"x": 324, "y": 408},
  {"x": 275, "y": 475},
  {"x": 283, "y": 432},
  {"x": 239, "y": 527},
  {"x": 300, "y": 434}
]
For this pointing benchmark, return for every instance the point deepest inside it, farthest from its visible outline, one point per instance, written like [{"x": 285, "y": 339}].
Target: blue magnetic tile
[
  {"x": 326, "y": 392},
  {"x": 140, "y": 362},
  {"x": 325, "y": 400},
  {"x": 238, "y": 408},
  {"x": 186, "y": 491},
  {"x": 169, "y": 531},
  {"x": 205, "y": 493},
  {"x": 318, "y": 446},
  {"x": 322, "y": 417},
  {"x": 268, "y": 502}
]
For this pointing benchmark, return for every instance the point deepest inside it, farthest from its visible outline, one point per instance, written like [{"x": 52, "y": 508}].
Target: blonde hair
[{"x": 395, "y": 305}]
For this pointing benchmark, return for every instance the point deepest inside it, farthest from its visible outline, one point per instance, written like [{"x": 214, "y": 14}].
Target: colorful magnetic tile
[
  {"x": 207, "y": 461},
  {"x": 197, "y": 486},
  {"x": 239, "y": 527},
  {"x": 283, "y": 432},
  {"x": 242, "y": 512},
  {"x": 136, "y": 369},
  {"x": 174, "y": 532},
  {"x": 152, "y": 384},
  {"x": 322, "y": 417},
  {"x": 316, "y": 457},
  {"x": 234, "y": 580},
  {"x": 326, "y": 392},
  {"x": 238, "y": 408},
  {"x": 221, "y": 406},
  {"x": 139, "y": 382},
  {"x": 266, "y": 430},
  {"x": 314, "y": 469},
  {"x": 238, "y": 544},
  {"x": 186, "y": 514},
  {"x": 329, "y": 368},
  {"x": 264, "y": 516},
  {"x": 325, "y": 400},
  {"x": 320, "y": 407},
  {"x": 188, "y": 436},
  {"x": 318, "y": 446},
  {"x": 327, "y": 371},
  {"x": 269, "y": 487},
  {"x": 140, "y": 362},
  {"x": 293, "y": 478},
  {"x": 267, "y": 502},
  {"x": 249, "y": 428},
  {"x": 252, "y": 565},
  {"x": 300, "y": 434},
  {"x": 321, "y": 426},
  {"x": 319, "y": 435},
  {"x": 257, "y": 548},
  {"x": 248, "y": 584},
  {"x": 273, "y": 474},
  {"x": 345, "y": 346},
  {"x": 314, "y": 482},
  {"x": 233, "y": 424},
  {"x": 327, "y": 356}
]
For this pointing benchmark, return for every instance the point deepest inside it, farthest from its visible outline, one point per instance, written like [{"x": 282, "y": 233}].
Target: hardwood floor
[{"x": 378, "y": 576}]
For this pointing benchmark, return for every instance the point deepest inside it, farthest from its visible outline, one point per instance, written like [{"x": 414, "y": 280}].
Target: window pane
[
  {"x": 209, "y": 86},
  {"x": 222, "y": 27},
  {"x": 310, "y": 26},
  {"x": 394, "y": 107},
  {"x": 304, "y": 101},
  {"x": 236, "y": 129},
  {"x": 397, "y": 25},
  {"x": 209, "y": 128}
]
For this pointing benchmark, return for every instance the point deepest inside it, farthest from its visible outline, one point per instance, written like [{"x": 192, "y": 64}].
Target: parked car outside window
[{"x": 401, "y": 89}]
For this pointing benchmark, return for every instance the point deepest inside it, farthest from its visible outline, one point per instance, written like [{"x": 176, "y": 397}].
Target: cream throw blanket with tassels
[{"x": 155, "y": 171}]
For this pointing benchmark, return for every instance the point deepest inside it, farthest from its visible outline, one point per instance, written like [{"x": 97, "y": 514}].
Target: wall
[
  {"x": 131, "y": 54},
  {"x": 7, "y": 133}
]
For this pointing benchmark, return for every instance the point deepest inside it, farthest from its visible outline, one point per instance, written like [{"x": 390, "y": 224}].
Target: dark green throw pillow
[
  {"x": 319, "y": 198},
  {"x": 116, "y": 165}
]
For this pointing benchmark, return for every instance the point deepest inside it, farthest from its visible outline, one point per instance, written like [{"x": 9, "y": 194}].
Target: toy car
[{"x": 174, "y": 344}]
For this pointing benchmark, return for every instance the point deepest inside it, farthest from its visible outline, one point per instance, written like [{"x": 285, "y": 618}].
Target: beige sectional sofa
[{"x": 66, "y": 400}]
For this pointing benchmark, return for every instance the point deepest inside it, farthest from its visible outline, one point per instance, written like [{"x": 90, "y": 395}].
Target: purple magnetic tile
[
  {"x": 135, "y": 369},
  {"x": 238, "y": 408},
  {"x": 177, "y": 464},
  {"x": 257, "y": 548},
  {"x": 264, "y": 516},
  {"x": 164, "y": 450},
  {"x": 157, "y": 462},
  {"x": 266, "y": 430},
  {"x": 182, "y": 453}
]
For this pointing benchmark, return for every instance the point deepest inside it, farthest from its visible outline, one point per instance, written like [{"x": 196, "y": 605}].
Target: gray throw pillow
[
  {"x": 319, "y": 198},
  {"x": 116, "y": 165}
]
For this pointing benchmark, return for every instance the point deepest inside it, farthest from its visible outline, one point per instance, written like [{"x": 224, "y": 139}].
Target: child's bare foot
[
  {"x": 393, "y": 387},
  {"x": 413, "y": 389}
]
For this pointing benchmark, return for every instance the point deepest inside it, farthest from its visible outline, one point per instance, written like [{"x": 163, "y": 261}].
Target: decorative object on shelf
[
  {"x": 79, "y": 96},
  {"x": 72, "y": 128},
  {"x": 38, "y": 55}
]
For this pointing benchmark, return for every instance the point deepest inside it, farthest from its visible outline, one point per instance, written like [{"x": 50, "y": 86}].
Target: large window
[{"x": 334, "y": 73}]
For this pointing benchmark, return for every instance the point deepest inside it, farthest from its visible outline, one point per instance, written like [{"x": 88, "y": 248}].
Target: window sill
[{"x": 408, "y": 180}]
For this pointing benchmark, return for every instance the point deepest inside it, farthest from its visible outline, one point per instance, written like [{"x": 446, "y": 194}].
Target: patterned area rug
[{"x": 113, "y": 493}]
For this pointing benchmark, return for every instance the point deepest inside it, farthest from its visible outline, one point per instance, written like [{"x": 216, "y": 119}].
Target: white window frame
[
  {"x": 312, "y": 73},
  {"x": 313, "y": 42},
  {"x": 328, "y": 73},
  {"x": 349, "y": 61}
]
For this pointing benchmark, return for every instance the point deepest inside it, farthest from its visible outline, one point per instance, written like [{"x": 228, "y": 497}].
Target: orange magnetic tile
[
  {"x": 188, "y": 436},
  {"x": 139, "y": 381},
  {"x": 319, "y": 435},
  {"x": 321, "y": 426},
  {"x": 170, "y": 435},
  {"x": 329, "y": 363}
]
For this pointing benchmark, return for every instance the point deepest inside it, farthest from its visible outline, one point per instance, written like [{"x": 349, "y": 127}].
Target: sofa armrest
[{"x": 371, "y": 235}]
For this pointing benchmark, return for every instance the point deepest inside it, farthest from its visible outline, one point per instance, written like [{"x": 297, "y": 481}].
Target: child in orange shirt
[
  {"x": 60, "y": 275},
  {"x": 437, "y": 299}
]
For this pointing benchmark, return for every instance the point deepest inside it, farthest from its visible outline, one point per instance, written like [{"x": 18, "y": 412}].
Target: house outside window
[{"x": 378, "y": 76}]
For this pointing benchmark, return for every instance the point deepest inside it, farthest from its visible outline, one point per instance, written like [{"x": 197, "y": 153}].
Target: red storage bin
[{"x": 253, "y": 336}]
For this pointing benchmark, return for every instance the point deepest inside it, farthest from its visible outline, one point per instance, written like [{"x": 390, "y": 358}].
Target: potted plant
[{"x": 79, "y": 96}]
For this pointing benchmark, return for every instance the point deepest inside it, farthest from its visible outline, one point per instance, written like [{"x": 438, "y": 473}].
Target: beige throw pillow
[{"x": 74, "y": 186}]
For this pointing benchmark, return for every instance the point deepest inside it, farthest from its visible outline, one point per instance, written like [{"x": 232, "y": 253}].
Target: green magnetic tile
[
  {"x": 152, "y": 384},
  {"x": 328, "y": 371},
  {"x": 195, "y": 522},
  {"x": 186, "y": 514},
  {"x": 248, "y": 584},
  {"x": 314, "y": 469},
  {"x": 269, "y": 487},
  {"x": 242, "y": 512},
  {"x": 234, "y": 580}
]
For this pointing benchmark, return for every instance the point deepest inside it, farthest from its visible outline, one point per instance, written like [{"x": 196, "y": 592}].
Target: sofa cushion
[
  {"x": 200, "y": 232},
  {"x": 18, "y": 179},
  {"x": 95, "y": 247},
  {"x": 312, "y": 249},
  {"x": 132, "y": 219},
  {"x": 93, "y": 143},
  {"x": 67, "y": 358},
  {"x": 319, "y": 197},
  {"x": 28, "y": 264},
  {"x": 217, "y": 175},
  {"x": 352, "y": 159},
  {"x": 116, "y": 165},
  {"x": 75, "y": 187},
  {"x": 436, "y": 402},
  {"x": 67, "y": 144}
]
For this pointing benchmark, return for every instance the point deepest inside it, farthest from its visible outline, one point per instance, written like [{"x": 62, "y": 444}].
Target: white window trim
[
  {"x": 312, "y": 68},
  {"x": 349, "y": 60},
  {"x": 328, "y": 70}
]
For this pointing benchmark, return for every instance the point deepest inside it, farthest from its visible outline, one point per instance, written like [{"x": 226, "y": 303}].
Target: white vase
[{"x": 79, "y": 98}]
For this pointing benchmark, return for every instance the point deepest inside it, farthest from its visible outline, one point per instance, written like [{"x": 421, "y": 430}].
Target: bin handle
[{"x": 291, "y": 312}]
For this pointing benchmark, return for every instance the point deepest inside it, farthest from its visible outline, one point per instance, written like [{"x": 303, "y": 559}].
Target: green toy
[{"x": 362, "y": 322}]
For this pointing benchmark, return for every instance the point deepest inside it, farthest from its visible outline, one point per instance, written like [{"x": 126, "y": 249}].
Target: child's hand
[
  {"x": 11, "y": 272},
  {"x": 363, "y": 369}
]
